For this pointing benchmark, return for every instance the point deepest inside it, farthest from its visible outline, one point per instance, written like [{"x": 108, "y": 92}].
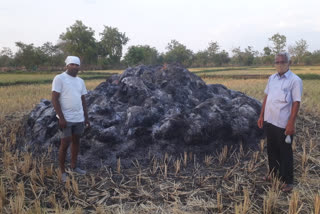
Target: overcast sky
[{"x": 194, "y": 23}]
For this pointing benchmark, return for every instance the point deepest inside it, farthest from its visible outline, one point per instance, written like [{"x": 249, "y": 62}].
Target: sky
[{"x": 194, "y": 23}]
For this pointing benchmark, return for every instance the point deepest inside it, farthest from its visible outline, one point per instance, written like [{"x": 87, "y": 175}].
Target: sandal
[{"x": 287, "y": 188}]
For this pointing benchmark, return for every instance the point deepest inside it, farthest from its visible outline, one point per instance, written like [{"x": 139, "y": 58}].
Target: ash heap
[{"x": 150, "y": 110}]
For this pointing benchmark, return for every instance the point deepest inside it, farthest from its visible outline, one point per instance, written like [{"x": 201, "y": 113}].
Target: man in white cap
[{"x": 69, "y": 102}]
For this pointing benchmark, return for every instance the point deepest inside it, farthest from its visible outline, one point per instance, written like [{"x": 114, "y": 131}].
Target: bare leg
[
  {"x": 75, "y": 150},
  {"x": 64, "y": 144}
]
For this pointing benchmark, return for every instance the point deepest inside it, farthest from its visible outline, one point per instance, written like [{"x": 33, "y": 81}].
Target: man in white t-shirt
[
  {"x": 69, "y": 102},
  {"x": 278, "y": 116}
]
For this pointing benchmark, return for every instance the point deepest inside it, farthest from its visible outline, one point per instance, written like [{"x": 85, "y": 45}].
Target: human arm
[
  {"x": 57, "y": 108},
  {"x": 85, "y": 111},
  {"x": 261, "y": 117},
  {"x": 290, "y": 128}
]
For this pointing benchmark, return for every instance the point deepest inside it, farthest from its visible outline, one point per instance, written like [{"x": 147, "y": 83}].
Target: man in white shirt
[
  {"x": 69, "y": 102},
  {"x": 278, "y": 115}
]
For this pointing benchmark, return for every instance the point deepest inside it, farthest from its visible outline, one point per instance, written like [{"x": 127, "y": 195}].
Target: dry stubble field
[{"x": 226, "y": 181}]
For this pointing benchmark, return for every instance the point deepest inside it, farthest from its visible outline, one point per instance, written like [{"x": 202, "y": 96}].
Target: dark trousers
[{"x": 280, "y": 155}]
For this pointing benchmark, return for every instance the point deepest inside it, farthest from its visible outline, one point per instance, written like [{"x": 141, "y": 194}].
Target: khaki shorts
[{"x": 72, "y": 129}]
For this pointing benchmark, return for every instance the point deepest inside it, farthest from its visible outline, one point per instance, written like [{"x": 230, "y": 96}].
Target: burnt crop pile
[{"x": 152, "y": 110}]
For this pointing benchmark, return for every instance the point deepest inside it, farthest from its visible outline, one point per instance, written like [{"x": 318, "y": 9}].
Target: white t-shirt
[
  {"x": 71, "y": 89},
  {"x": 282, "y": 92}
]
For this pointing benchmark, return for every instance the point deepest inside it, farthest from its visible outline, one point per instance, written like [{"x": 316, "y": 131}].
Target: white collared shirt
[{"x": 282, "y": 91}]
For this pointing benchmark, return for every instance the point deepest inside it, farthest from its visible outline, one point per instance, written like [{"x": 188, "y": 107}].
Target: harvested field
[{"x": 225, "y": 181}]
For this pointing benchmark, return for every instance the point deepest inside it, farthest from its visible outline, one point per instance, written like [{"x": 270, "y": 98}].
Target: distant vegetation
[
  {"x": 243, "y": 72},
  {"x": 107, "y": 52}
]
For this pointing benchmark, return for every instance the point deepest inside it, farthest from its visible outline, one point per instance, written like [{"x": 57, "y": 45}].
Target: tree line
[{"x": 107, "y": 53}]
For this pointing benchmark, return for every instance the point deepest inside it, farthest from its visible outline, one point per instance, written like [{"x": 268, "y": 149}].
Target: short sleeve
[
  {"x": 266, "y": 90},
  {"x": 297, "y": 90},
  {"x": 57, "y": 84},
  {"x": 84, "y": 90}
]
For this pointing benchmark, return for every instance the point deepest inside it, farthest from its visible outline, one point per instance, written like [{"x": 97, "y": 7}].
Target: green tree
[
  {"x": 221, "y": 58},
  {"x": 141, "y": 54},
  {"x": 79, "y": 41},
  {"x": 213, "y": 49},
  {"x": 29, "y": 56},
  {"x": 49, "y": 49},
  {"x": 267, "y": 57},
  {"x": 179, "y": 53},
  {"x": 307, "y": 58},
  {"x": 243, "y": 58},
  {"x": 237, "y": 56},
  {"x": 279, "y": 43},
  {"x": 6, "y": 57},
  {"x": 314, "y": 58},
  {"x": 201, "y": 59},
  {"x": 299, "y": 50},
  {"x": 249, "y": 55},
  {"x": 111, "y": 45},
  {"x": 267, "y": 51},
  {"x": 54, "y": 55}
]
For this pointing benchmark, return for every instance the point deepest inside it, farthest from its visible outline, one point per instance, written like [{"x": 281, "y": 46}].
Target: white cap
[{"x": 73, "y": 60}]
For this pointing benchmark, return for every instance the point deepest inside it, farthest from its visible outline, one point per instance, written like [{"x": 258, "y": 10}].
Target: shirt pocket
[
  {"x": 287, "y": 94},
  {"x": 281, "y": 97},
  {"x": 288, "y": 97}
]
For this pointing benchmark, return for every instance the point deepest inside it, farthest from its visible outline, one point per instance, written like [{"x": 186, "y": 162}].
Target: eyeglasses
[{"x": 280, "y": 62}]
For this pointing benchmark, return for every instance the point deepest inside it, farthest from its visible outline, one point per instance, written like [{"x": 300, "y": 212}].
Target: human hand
[
  {"x": 290, "y": 129},
  {"x": 87, "y": 124},
  {"x": 260, "y": 122},
  {"x": 62, "y": 123}
]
